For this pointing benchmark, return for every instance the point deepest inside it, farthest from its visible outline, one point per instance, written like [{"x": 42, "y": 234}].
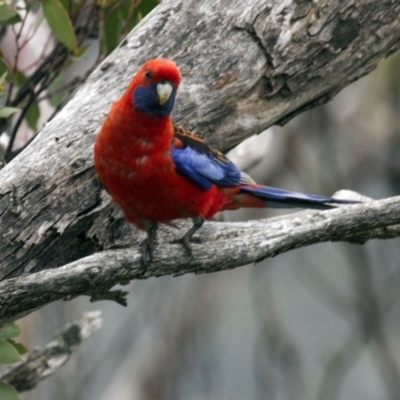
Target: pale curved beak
[{"x": 164, "y": 91}]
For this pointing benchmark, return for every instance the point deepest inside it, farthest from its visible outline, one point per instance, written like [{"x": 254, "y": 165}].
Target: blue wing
[{"x": 202, "y": 164}]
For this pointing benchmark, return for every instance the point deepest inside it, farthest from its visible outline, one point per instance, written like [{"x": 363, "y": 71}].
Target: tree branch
[
  {"x": 245, "y": 68},
  {"x": 41, "y": 363},
  {"x": 226, "y": 246}
]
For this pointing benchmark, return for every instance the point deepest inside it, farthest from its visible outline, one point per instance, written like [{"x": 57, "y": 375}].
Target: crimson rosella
[{"x": 158, "y": 171}]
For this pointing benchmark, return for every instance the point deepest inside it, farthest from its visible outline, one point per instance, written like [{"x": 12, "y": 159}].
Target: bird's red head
[{"x": 153, "y": 88}]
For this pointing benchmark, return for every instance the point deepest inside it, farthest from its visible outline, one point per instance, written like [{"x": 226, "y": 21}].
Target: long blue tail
[{"x": 281, "y": 198}]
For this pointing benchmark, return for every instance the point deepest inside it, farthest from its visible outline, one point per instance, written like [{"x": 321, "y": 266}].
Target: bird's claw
[
  {"x": 149, "y": 244},
  {"x": 185, "y": 241},
  {"x": 147, "y": 248},
  {"x": 188, "y": 237}
]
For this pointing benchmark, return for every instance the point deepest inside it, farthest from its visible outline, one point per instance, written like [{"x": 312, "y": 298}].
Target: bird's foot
[
  {"x": 185, "y": 242},
  {"x": 147, "y": 249},
  {"x": 149, "y": 244},
  {"x": 188, "y": 237}
]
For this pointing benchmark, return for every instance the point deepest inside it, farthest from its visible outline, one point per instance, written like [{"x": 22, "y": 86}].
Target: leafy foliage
[
  {"x": 60, "y": 23},
  {"x": 28, "y": 92},
  {"x": 7, "y": 392},
  {"x": 7, "y": 14},
  {"x": 9, "y": 353}
]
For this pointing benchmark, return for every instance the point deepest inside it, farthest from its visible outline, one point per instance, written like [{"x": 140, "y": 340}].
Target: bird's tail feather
[{"x": 281, "y": 198}]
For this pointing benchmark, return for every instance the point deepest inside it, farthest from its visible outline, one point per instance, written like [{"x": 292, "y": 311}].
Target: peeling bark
[
  {"x": 225, "y": 246},
  {"x": 245, "y": 67}
]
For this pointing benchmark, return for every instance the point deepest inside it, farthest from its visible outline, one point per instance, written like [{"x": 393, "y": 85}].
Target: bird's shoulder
[
  {"x": 203, "y": 164},
  {"x": 184, "y": 138}
]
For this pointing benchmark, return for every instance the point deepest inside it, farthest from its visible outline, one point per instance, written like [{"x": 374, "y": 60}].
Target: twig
[
  {"x": 41, "y": 363},
  {"x": 17, "y": 52},
  {"x": 17, "y": 124}
]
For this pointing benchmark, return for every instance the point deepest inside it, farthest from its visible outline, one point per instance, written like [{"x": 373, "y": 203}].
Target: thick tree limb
[
  {"x": 226, "y": 246},
  {"x": 245, "y": 67},
  {"x": 41, "y": 363}
]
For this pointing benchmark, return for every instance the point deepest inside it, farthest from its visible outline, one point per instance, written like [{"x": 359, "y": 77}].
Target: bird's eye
[{"x": 147, "y": 74}]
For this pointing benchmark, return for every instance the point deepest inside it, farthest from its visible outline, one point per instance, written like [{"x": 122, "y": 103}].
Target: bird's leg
[
  {"x": 187, "y": 238},
  {"x": 148, "y": 245}
]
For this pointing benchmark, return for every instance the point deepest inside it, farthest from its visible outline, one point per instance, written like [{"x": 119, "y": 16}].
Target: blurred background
[{"x": 317, "y": 323}]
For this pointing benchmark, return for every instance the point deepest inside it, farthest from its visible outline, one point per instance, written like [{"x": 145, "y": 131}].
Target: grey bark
[
  {"x": 246, "y": 65},
  {"x": 226, "y": 246},
  {"x": 42, "y": 363}
]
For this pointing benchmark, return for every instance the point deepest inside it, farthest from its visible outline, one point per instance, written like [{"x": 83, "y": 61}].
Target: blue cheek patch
[
  {"x": 144, "y": 97},
  {"x": 145, "y": 100}
]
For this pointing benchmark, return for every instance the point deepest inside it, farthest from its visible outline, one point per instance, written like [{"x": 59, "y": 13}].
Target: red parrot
[{"x": 158, "y": 171}]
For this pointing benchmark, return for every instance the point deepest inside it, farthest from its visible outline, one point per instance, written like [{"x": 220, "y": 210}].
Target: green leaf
[
  {"x": 7, "y": 14},
  {"x": 3, "y": 77},
  {"x": 7, "y": 392},
  {"x": 111, "y": 31},
  {"x": 145, "y": 7},
  {"x": 5, "y": 112},
  {"x": 9, "y": 331},
  {"x": 72, "y": 5},
  {"x": 66, "y": 4},
  {"x": 18, "y": 346},
  {"x": 141, "y": 10},
  {"x": 32, "y": 116},
  {"x": 57, "y": 97},
  {"x": 81, "y": 50},
  {"x": 4, "y": 72},
  {"x": 60, "y": 23},
  {"x": 19, "y": 78},
  {"x": 8, "y": 353}
]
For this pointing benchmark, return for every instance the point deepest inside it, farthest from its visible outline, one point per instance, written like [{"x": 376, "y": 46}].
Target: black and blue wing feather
[
  {"x": 201, "y": 163},
  {"x": 205, "y": 166}
]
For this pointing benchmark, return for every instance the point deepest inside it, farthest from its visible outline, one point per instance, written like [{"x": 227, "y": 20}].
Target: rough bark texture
[
  {"x": 227, "y": 246},
  {"x": 245, "y": 67}
]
